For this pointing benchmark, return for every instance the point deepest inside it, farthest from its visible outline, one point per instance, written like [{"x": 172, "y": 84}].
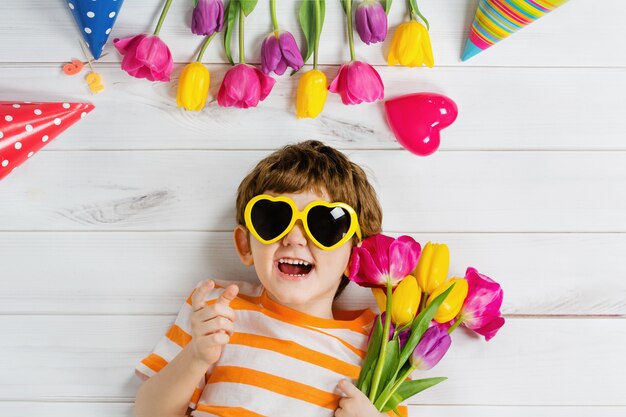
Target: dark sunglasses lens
[
  {"x": 270, "y": 218},
  {"x": 328, "y": 224}
]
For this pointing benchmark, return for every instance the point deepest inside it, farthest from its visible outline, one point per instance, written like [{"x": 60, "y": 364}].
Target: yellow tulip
[
  {"x": 193, "y": 86},
  {"x": 406, "y": 300},
  {"x": 381, "y": 298},
  {"x": 410, "y": 46},
  {"x": 432, "y": 268},
  {"x": 453, "y": 302},
  {"x": 311, "y": 95}
]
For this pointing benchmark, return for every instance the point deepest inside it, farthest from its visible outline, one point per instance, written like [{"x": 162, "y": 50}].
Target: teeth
[{"x": 293, "y": 262}]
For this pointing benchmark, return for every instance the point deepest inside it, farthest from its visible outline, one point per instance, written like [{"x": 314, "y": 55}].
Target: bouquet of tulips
[{"x": 417, "y": 317}]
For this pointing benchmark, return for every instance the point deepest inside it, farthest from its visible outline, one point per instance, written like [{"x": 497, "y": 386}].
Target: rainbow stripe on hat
[{"x": 497, "y": 19}]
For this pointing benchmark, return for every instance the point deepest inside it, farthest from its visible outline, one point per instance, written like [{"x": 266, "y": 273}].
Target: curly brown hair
[{"x": 311, "y": 165}]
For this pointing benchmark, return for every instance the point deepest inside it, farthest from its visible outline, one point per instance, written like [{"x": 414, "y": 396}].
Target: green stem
[
  {"x": 273, "y": 9},
  {"x": 383, "y": 348},
  {"x": 350, "y": 34},
  {"x": 395, "y": 387},
  {"x": 456, "y": 324},
  {"x": 242, "y": 58},
  {"x": 206, "y": 43},
  {"x": 318, "y": 31},
  {"x": 416, "y": 11},
  {"x": 166, "y": 8}
]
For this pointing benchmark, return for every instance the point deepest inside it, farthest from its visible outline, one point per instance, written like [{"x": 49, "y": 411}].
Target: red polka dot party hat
[{"x": 27, "y": 127}]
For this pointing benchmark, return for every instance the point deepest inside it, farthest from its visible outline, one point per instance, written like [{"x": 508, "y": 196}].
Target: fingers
[
  {"x": 228, "y": 295},
  {"x": 347, "y": 387},
  {"x": 216, "y": 325},
  {"x": 199, "y": 295}
]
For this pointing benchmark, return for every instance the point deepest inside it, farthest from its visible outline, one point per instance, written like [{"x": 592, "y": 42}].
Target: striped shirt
[{"x": 278, "y": 362}]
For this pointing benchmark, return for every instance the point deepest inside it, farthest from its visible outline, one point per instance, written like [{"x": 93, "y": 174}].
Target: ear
[{"x": 242, "y": 245}]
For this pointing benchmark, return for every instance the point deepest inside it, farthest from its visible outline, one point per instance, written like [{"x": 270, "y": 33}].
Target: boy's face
[{"x": 313, "y": 292}]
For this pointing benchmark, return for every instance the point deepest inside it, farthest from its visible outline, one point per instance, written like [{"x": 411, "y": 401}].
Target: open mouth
[{"x": 294, "y": 267}]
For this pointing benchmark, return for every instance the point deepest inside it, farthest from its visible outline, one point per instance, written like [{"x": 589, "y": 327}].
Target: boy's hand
[
  {"x": 355, "y": 403},
  {"x": 211, "y": 325}
]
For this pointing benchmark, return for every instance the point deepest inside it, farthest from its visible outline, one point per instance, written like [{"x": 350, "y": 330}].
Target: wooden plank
[
  {"x": 554, "y": 40},
  {"x": 67, "y": 409},
  {"x": 531, "y": 362},
  {"x": 152, "y": 273},
  {"x": 195, "y": 190},
  {"x": 499, "y": 109}
]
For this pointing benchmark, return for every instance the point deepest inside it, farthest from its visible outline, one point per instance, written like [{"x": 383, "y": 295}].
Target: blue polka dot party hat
[{"x": 95, "y": 19}]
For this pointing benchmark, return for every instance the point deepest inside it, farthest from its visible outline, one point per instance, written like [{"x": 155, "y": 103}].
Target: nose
[{"x": 296, "y": 236}]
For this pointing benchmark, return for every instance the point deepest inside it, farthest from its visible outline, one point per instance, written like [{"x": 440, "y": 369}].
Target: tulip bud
[
  {"x": 279, "y": 51},
  {"x": 411, "y": 46},
  {"x": 406, "y": 300},
  {"x": 481, "y": 310},
  {"x": 433, "y": 345},
  {"x": 311, "y": 94},
  {"x": 371, "y": 21},
  {"x": 453, "y": 302},
  {"x": 207, "y": 17},
  {"x": 432, "y": 268},
  {"x": 193, "y": 86}
]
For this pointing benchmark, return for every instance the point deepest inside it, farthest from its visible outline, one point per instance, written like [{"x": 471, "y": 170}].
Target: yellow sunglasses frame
[{"x": 302, "y": 216}]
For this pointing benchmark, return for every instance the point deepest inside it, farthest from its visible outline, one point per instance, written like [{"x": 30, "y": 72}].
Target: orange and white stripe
[{"x": 279, "y": 362}]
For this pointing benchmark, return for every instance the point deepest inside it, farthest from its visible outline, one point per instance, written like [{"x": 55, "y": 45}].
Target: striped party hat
[{"x": 498, "y": 19}]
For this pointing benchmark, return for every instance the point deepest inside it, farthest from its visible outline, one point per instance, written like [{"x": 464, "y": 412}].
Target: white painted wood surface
[{"x": 105, "y": 231}]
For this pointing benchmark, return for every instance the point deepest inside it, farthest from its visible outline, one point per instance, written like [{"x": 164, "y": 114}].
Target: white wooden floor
[{"x": 105, "y": 231}]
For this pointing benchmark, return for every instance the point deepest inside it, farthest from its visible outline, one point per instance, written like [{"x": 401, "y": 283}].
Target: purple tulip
[
  {"x": 208, "y": 17},
  {"x": 434, "y": 343},
  {"x": 244, "y": 86},
  {"x": 371, "y": 21},
  {"x": 403, "y": 336},
  {"x": 381, "y": 259},
  {"x": 481, "y": 309},
  {"x": 279, "y": 51}
]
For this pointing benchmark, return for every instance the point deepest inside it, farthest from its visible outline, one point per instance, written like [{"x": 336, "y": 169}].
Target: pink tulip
[
  {"x": 358, "y": 82},
  {"x": 381, "y": 259},
  {"x": 481, "y": 310},
  {"x": 145, "y": 56},
  {"x": 244, "y": 86}
]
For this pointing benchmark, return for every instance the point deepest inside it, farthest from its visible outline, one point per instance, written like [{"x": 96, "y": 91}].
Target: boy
[{"x": 275, "y": 348}]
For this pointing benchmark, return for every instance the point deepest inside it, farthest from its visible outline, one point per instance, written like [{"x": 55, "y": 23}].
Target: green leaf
[
  {"x": 390, "y": 365},
  {"x": 344, "y": 5},
  {"x": 231, "y": 17},
  {"x": 420, "y": 324},
  {"x": 387, "y": 5},
  {"x": 367, "y": 381},
  {"x": 307, "y": 23},
  {"x": 372, "y": 352},
  {"x": 247, "y": 6},
  {"x": 409, "y": 389}
]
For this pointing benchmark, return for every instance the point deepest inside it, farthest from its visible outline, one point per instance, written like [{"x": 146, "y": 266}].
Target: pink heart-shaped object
[{"x": 416, "y": 120}]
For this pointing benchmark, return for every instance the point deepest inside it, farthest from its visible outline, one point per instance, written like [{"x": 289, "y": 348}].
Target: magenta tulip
[
  {"x": 382, "y": 259},
  {"x": 145, "y": 56},
  {"x": 358, "y": 82},
  {"x": 370, "y": 20},
  {"x": 481, "y": 310},
  {"x": 244, "y": 86},
  {"x": 279, "y": 52},
  {"x": 207, "y": 17},
  {"x": 433, "y": 345}
]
